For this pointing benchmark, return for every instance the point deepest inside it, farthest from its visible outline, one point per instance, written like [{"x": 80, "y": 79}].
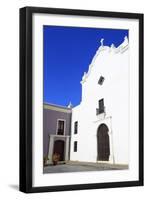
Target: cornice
[{"x": 57, "y": 108}]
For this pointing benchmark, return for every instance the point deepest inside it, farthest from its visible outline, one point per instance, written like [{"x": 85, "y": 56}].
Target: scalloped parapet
[{"x": 120, "y": 49}]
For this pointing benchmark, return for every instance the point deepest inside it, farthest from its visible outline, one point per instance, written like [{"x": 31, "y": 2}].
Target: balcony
[{"x": 101, "y": 112}]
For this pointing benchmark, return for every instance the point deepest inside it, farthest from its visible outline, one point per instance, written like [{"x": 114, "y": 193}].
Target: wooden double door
[{"x": 103, "y": 145}]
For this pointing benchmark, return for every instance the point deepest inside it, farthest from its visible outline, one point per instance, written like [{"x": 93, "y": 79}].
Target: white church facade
[{"x": 99, "y": 125}]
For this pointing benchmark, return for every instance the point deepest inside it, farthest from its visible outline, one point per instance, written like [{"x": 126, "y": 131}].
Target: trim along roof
[{"x": 57, "y": 108}]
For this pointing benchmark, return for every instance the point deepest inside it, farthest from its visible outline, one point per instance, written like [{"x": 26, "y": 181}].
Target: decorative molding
[
  {"x": 64, "y": 120},
  {"x": 58, "y": 136},
  {"x": 57, "y": 108}
]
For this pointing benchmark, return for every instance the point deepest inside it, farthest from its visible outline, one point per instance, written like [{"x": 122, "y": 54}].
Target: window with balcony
[
  {"x": 60, "y": 128},
  {"x": 101, "y": 108}
]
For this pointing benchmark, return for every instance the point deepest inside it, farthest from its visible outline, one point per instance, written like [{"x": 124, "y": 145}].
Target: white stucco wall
[{"x": 113, "y": 64}]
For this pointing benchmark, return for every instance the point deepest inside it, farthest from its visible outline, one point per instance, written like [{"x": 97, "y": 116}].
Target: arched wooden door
[
  {"x": 103, "y": 145},
  {"x": 59, "y": 149}
]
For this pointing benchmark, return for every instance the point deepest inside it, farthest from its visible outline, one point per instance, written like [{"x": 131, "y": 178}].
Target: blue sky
[{"x": 68, "y": 51}]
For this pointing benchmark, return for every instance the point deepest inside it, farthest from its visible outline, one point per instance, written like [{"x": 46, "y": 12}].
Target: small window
[
  {"x": 101, "y": 80},
  {"x": 60, "y": 130},
  {"x": 76, "y": 127},
  {"x": 75, "y": 146}
]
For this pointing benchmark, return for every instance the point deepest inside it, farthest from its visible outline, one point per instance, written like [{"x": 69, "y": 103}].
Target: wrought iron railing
[{"x": 100, "y": 111}]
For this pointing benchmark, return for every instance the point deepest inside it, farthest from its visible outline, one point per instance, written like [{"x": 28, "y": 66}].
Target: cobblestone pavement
[{"x": 82, "y": 167}]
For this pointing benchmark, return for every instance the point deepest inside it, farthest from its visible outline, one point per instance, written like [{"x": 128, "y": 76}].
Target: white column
[
  {"x": 51, "y": 145},
  {"x": 67, "y": 149}
]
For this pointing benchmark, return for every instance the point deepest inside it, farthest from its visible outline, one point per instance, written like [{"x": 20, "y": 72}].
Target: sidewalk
[
  {"x": 99, "y": 165},
  {"x": 71, "y": 166}
]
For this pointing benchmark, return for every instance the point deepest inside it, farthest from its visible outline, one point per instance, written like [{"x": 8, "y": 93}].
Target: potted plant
[{"x": 56, "y": 158}]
